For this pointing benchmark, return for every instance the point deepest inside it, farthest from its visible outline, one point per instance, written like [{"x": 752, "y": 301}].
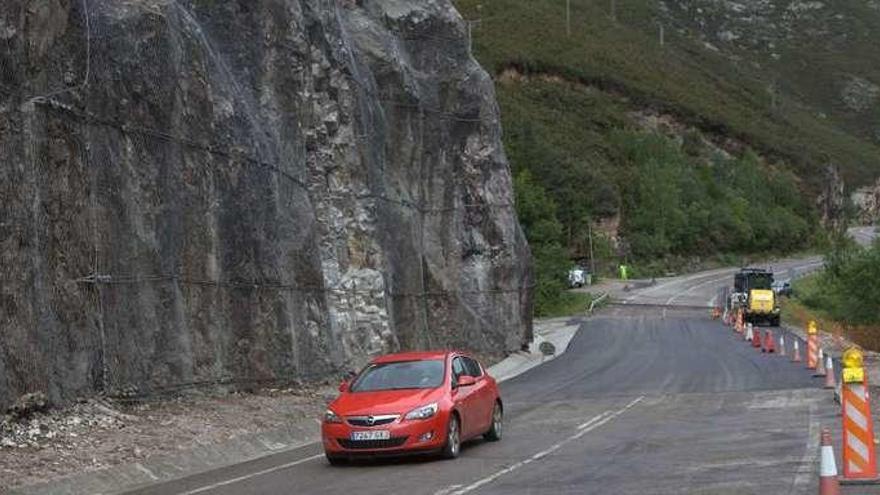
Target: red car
[{"x": 415, "y": 402}]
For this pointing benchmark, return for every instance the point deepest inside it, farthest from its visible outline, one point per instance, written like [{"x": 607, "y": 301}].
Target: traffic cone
[
  {"x": 796, "y": 355},
  {"x": 820, "y": 364},
  {"x": 828, "y": 482},
  {"x": 830, "y": 381},
  {"x": 768, "y": 341},
  {"x": 781, "y": 345},
  {"x": 756, "y": 340}
]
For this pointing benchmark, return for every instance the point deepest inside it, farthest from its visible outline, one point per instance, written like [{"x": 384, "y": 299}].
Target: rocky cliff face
[
  {"x": 250, "y": 191},
  {"x": 867, "y": 204}
]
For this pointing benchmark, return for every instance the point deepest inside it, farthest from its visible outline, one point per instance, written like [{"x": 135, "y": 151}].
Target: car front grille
[
  {"x": 371, "y": 444},
  {"x": 370, "y": 421}
]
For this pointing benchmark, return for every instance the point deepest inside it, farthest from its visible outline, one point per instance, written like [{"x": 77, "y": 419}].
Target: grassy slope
[
  {"x": 699, "y": 85},
  {"x": 811, "y": 51}
]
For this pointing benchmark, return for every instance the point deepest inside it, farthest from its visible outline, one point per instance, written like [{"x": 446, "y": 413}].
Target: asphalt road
[
  {"x": 650, "y": 398},
  {"x": 639, "y": 404},
  {"x": 702, "y": 289},
  {"x": 863, "y": 235}
]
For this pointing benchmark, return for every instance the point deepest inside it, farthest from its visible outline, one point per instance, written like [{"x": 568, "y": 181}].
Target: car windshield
[{"x": 400, "y": 375}]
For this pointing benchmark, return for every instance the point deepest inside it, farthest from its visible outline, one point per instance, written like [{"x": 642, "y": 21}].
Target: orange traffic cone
[
  {"x": 830, "y": 381},
  {"x": 756, "y": 338},
  {"x": 828, "y": 482},
  {"x": 768, "y": 341},
  {"x": 796, "y": 355},
  {"x": 820, "y": 364}
]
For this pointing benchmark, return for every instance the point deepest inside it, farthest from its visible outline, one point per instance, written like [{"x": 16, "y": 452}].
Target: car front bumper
[{"x": 406, "y": 437}]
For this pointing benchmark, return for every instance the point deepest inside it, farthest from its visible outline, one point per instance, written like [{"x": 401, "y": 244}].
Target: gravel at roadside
[{"x": 95, "y": 434}]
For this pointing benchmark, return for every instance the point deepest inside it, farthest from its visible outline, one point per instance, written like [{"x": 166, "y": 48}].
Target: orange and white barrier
[
  {"x": 781, "y": 350},
  {"x": 812, "y": 345},
  {"x": 828, "y": 483},
  {"x": 859, "y": 457}
]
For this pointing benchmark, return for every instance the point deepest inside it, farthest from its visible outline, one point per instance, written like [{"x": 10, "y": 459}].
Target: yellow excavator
[{"x": 753, "y": 291}]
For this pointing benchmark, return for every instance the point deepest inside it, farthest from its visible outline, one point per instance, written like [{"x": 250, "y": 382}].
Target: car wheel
[
  {"x": 453, "y": 438},
  {"x": 335, "y": 460},
  {"x": 494, "y": 433}
]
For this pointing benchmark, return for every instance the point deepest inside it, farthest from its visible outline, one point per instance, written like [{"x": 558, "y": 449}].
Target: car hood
[{"x": 384, "y": 402}]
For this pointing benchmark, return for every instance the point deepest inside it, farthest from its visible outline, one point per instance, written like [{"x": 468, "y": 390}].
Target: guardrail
[{"x": 596, "y": 301}]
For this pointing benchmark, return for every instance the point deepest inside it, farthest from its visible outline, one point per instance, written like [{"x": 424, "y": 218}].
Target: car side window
[
  {"x": 458, "y": 369},
  {"x": 473, "y": 367}
]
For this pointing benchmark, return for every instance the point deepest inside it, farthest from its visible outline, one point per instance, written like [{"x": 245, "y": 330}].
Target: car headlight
[
  {"x": 423, "y": 412},
  {"x": 331, "y": 417}
]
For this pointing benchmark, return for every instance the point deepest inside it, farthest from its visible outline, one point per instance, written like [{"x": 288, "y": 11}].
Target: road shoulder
[{"x": 256, "y": 445}]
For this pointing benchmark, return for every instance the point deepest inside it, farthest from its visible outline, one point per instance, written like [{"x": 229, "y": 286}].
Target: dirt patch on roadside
[{"x": 95, "y": 434}]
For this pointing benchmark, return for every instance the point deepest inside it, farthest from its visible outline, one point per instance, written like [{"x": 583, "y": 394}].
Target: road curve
[
  {"x": 652, "y": 397},
  {"x": 864, "y": 235},
  {"x": 702, "y": 289}
]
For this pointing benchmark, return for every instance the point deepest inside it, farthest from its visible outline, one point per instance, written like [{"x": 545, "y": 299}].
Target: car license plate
[{"x": 370, "y": 435}]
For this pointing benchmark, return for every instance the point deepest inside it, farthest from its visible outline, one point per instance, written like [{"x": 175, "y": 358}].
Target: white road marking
[
  {"x": 594, "y": 419},
  {"x": 448, "y": 490},
  {"x": 695, "y": 287},
  {"x": 252, "y": 475},
  {"x": 585, "y": 428}
]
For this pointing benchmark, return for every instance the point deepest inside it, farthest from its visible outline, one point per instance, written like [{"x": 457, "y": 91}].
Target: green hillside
[
  {"x": 681, "y": 150},
  {"x": 702, "y": 86}
]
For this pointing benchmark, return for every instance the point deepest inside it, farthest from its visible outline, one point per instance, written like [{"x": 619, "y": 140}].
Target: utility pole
[
  {"x": 772, "y": 90},
  {"x": 568, "y": 17},
  {"x": 592, "y": 258},
  {"x": 662, "y": 35},
  {"x": 470, "y": 33},
  {"x": 614, "y": 10}
]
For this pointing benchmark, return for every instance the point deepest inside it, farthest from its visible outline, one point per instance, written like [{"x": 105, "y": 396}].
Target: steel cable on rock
[
  {"x": 162, "y": 135},
  {"x": 49, "y": 102},
  {"x": 85, "y": 82},
  {"x": 264, "y": 285}
]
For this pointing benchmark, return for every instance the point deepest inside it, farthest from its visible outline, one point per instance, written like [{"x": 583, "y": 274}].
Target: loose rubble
[{"x": 38, "y": 443}]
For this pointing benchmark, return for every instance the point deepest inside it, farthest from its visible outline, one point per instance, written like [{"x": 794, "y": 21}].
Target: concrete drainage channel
[{"x": 550, "y": 335}]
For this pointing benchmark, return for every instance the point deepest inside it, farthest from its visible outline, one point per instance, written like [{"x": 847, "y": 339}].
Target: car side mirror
[
  {"x": 466, "y": 381},
  {"x": 343, "y": 387}
]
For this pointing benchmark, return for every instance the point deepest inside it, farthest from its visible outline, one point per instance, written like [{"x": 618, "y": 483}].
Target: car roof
[{"x": 412, "y": 356}]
